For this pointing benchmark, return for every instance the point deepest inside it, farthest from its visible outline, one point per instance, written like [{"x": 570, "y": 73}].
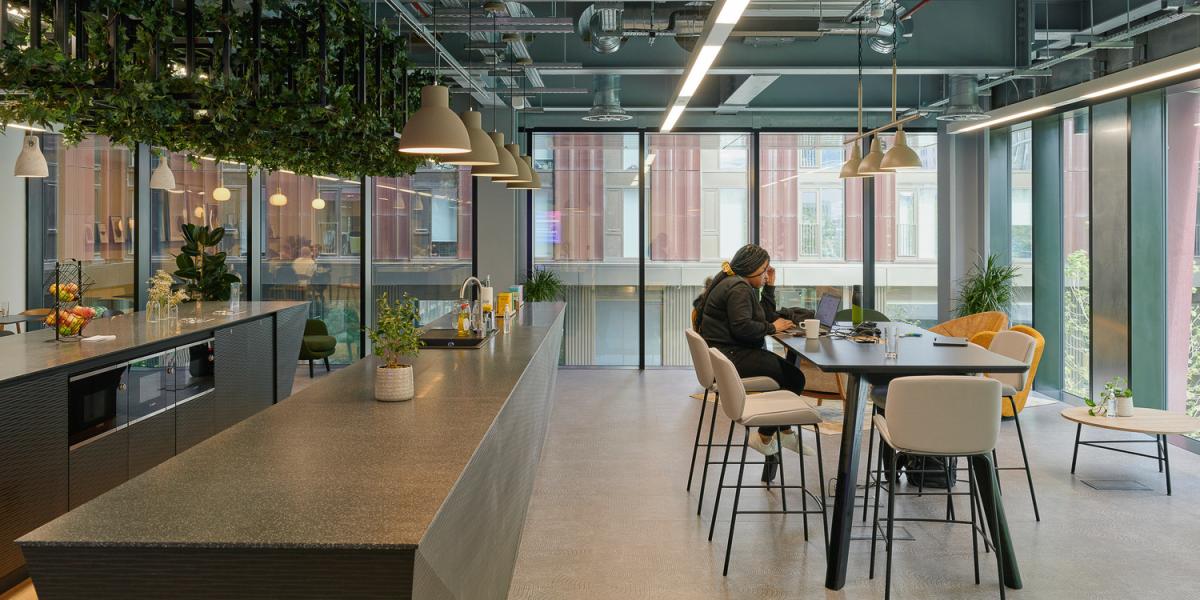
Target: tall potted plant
[
  {"x": 543, "y": 285},
  {"x": 987, "y": 287},
  {"x": 201, "y": 266},
  {"x": 396, "y": 336}
]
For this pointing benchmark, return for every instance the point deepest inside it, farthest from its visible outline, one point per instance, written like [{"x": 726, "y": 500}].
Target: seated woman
[{"x": 733, "y": 317}]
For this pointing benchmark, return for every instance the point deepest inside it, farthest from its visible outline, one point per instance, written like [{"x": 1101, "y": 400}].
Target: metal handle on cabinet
[{"x": 122, "y": 386}]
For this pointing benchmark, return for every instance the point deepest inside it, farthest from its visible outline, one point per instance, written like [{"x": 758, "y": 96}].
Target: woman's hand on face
[
  {"x": 771, "y": 276},
  {"x": 781, "y": 324}
]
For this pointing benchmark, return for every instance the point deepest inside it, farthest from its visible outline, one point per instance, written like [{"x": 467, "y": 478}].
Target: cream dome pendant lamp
[
  {"x": 523, "y": 173},
  {"x": 31, "y": 162},
  {"x": 534, "y": 182},
  {"x": 162, "y": 178},
  {"x": 505, "y": 167},
  {"x": 870, "y": 162},
  {"x": 483, "y": 152},
  {"x": 850, "y": 167},
  {"x": 901, "y": 156},
  {"x": 434, "y": 129}
]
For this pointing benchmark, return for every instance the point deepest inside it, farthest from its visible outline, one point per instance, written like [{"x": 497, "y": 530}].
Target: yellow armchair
[
  {"x": 968, "y": 326},
  {"x": 984, "y": 338}
]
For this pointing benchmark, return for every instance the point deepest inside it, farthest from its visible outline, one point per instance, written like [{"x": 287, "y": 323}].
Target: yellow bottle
[{"x": 464, "y": 320}]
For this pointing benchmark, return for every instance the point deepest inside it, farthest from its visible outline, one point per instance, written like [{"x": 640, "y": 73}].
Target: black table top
[
  {"x": 914, "y": 356},
  {"x": 20, "y": 318}
]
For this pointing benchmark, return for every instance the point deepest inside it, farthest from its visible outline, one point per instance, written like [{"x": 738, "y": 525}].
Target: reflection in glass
[
  {"x": 1183, "y": 250},
  {"x": 1077, "y": 309},
  {"x": 1021, "y": 200},
  {"x": 906, "y": 237}
]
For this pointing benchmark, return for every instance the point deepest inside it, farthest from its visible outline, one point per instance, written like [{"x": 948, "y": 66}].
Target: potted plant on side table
[{"x": 396, "y": 336}]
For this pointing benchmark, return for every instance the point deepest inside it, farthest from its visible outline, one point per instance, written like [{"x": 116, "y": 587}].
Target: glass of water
[
  {"x": 235, "y": 298},
  {"x": 3, "y": 308},
  {"x": 890, "y": 340}
]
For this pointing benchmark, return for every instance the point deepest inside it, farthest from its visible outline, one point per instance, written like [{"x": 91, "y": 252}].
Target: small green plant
[
  {"x": 543, "y": 285},
  {"x": 396, "y": 334},
  {"x": 1117, "y": 387},
  {"x": 987, "y": 287},
  {"x": 201, "y": 267}
]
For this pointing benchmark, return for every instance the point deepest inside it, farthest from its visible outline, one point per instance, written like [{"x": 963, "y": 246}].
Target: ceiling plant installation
[{"x": 312, "y": 87}]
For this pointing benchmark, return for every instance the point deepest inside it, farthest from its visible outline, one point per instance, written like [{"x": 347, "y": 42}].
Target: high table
[{"x": 915, "y": 356}]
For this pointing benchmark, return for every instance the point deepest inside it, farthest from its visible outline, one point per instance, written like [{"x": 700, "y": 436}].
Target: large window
[
  {"x": 423, "y": 236},
  {"x": 87, "y": 213},
  {"x": 586, "y": 230},
  {"x": 1077, "y": 309},
  {"x": 698, "y": 214},
  {"x": 1183, "y": 250},
  {"x": 312, "y": 238},
  {"x": 199, "y": 200},
  {"x": 906, "y": 237},
  {"x": 809, "y": 219},
  {"x": 1021, "y": 204}
]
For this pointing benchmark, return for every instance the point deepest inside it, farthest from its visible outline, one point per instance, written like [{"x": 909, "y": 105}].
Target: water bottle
[{"x": 856, "y": 311}]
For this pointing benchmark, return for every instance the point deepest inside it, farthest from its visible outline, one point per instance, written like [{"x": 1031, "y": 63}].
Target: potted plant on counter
[{"x": 396, "y": 336}]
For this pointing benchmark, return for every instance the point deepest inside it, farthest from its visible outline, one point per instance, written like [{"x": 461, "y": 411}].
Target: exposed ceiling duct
[
  {"x": 606, "y": 103},
  {"x": 607, "y": 25},
  {"x": 964, "y": 100}
]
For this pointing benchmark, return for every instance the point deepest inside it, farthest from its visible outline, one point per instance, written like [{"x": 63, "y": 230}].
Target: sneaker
[
  {"x": 791, "y": 441},
  {"x": 764, "y": 448}
]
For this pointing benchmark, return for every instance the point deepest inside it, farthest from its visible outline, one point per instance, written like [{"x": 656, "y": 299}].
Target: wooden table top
[
  {"x": 1144, "y": 420},
  {"x": 915, "y": 356}
]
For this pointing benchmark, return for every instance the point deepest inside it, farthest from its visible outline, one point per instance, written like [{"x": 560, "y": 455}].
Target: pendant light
[
  {"x": 221, "y": 194},
  {"x": 901, "y": 156},
  {"x": 483, "y": 151},
  {"x": 506, "y": 167},
  {"x": 850, "y": 167},
  {"x": 162, "y": 178},
  {"x": 278, "y": 199},
  {"x": 434, "y": 129},
  {"x": 870, "y": 162},
  {"x": 524, "y": 174},
  {"x": 31, "y": 162},
  {"x": 318, "y": 203},
  {"x": 534, "y": 182}
]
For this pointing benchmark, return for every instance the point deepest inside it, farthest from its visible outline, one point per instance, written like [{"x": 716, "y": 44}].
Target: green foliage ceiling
[{"x": 272, "y": 101}]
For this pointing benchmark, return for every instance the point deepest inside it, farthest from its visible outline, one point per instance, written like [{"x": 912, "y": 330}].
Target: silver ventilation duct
[
  {"x": 606, "y": 103},
  {"x": 964, "y": 100},
  {"x": 607, "y": 25}
]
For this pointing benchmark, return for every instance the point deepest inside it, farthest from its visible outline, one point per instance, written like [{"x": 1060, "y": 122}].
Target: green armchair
[{"x": 317, "y": 344}]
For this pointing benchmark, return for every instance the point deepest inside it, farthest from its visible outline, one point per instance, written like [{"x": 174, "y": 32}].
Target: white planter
[
  {"x": 1124, "y": 407},
  {"x": 394, "y": 385}
]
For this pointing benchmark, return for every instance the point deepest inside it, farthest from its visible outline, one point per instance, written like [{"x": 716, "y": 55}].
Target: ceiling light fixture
[
  {"x": 162, "y": 178},
  {"x": 221, "y": 194},
  {"x": 850, "y": 167},
  {"x": 722, "y": 19},
  {"x": 505, "y": 167},
  {"x": 483, "y": 151},
  {"x": 31, "y": 162},
  {"x": 278, "y": 199},
  {"x": 534, "y": 182},
  {"x": 318, "y": 203},
  {"x": 434, "y": 129},
  {"x": 1006, "y": 119},
  {"x": 870, "y": 162},
  {"x": 900, "y": 156}
]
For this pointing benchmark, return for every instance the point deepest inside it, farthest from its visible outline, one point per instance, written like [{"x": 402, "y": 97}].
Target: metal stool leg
[
  {"x": 974, "y": 531},
  {"x": 994, "y": 528},
  {"x": 737, "y": 496},
  {"x": 803, "y": 484},
  {"x": 949, "y": 489},
  {"x": 996, "y": 471},
  {"x": 875, "y": 517},
  {"x": 720, "y": 482},
  {"x": 782, "y": 483},
  {"x": 712, "y": 426},
  {"x": 696, "y": 443},
  {"x": 870, "y": 452},
  {"x": 891, "y": 520},
  {"x": 821, "y": 485},
  {"x": 1025, "y": 457}
]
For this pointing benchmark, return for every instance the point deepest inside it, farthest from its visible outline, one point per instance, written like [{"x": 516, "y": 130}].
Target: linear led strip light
[
  {"x": 721, "y": 19},
  {"x": 1165, "y": 69}
]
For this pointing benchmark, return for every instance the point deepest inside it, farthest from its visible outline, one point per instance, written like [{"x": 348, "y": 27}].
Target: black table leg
[
  {"x": 1166, "y": 463},
  {"x": 981, "y": 465},
  {"x": 847, "y": 480}
]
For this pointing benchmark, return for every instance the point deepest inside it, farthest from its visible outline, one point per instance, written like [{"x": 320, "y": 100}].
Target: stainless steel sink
[{"x": 449, "y": 338}]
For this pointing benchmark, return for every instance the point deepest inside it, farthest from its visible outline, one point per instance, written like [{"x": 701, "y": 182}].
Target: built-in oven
[
  {"x": 151, "y": 383},
  {"x": 195, "y": 370},
  {"x": 97, "y": 403}
]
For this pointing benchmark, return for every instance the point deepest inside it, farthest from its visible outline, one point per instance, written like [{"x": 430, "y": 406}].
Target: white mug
[{"x": 812, "y": 328}]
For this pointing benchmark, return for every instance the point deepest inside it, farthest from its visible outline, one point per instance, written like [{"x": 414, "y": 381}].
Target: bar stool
[
  {"x": 945, "y": 416},
  {"x": 779, "y": 408},
  {"x": 1017, "y": 346},
  {"x": 704, "y": 375}
]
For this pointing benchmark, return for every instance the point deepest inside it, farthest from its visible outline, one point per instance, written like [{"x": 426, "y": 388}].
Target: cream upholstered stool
[
  {"x": 944, "y": 416},
  {"x": 707, "y": 380},
  {"x": 770, "y": 409},
  {"x": 1017, "y": 346}
]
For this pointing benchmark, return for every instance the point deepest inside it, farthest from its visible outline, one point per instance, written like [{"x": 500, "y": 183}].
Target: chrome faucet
[{"x": 476, "y": 306}]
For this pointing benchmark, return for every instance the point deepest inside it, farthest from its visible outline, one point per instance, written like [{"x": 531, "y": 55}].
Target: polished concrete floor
[{"x": 610, "y": 517}]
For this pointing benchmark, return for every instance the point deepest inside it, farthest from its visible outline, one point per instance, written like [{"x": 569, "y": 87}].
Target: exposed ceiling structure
[{"x": 787, "y": 62}]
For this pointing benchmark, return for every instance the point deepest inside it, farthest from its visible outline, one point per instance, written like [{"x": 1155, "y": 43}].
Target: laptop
[{"x": 826, "y": 312}]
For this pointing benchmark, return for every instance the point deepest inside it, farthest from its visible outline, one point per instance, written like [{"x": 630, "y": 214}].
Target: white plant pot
[
  {"x": 1124, "y": 407},
  {"x": 395, "y": 384}
]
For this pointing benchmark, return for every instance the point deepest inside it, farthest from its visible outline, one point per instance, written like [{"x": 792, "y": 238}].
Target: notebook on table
[{"x": 950, "y": 341}]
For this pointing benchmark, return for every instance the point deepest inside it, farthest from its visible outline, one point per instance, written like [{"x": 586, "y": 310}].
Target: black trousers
[{"x": 757, "y": 362}]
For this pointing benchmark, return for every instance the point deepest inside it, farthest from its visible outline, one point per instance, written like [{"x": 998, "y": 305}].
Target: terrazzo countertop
[
  {"x": 37, "y": 351},
  {"x": 329, "y": 467}
]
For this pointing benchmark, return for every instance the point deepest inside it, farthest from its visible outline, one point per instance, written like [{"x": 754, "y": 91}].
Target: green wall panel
[
  {"x": 999, "y": 190},
  {"x": 1047, "y": 250},
  {"x": 1148, "y": 249}
]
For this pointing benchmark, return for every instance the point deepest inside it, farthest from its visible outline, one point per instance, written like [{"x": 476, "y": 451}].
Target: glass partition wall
[
  {"x": 87, "y": 213},
  {"x": 610, "y": 218},
  {"x": 1183, "y": 249},
  {"x": 1021, "y": 205},
  {"x": 1076, "y": 236}
]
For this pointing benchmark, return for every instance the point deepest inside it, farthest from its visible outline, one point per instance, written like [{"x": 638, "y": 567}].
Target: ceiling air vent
[
  {"x": 964, "y": 100},
  {"x": 606, "y": 103}
]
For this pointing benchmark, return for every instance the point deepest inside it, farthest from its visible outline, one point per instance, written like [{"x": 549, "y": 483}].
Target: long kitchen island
[
  {"x": 331, "y": 494},
  {"x": 79, "y": 418}
]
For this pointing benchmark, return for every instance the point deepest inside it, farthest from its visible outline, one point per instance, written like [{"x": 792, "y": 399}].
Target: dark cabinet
[
  {"x": 194, "y": 421},
  {"x": 245, "y": 368},
  {"x": 151, "y": 441},
  {"x": 98, "y": 465}
]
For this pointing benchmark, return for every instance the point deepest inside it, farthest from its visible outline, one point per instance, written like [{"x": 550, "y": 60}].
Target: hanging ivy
[{"x": 265, "y": 90}]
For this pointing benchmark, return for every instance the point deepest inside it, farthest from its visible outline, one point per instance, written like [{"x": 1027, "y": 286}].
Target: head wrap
[{"x": 744, "y": 263}]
